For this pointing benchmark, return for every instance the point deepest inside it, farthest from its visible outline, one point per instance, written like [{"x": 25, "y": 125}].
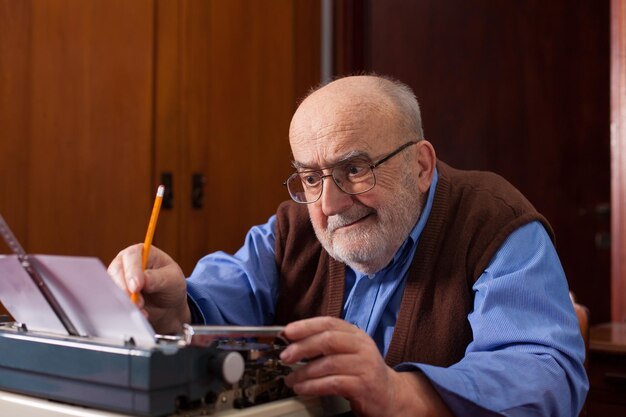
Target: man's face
[{"x": 365, "y": 230}]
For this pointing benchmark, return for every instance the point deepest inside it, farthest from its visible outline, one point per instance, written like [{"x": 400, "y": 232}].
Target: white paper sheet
[
  {"x": 23, "y": 300},
  {"x": 91, "y": 300}
]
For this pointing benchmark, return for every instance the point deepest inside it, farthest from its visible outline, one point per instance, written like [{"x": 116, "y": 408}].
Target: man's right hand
[{"x": 162, "y": 287}]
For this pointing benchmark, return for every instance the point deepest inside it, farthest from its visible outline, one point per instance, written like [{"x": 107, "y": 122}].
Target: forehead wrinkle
[
  {"x": 332, "y": 162},
  {"x": 327, "y": 128},
  {"x": 346, "y": 124},
  {"x": 327, "y": 145}
]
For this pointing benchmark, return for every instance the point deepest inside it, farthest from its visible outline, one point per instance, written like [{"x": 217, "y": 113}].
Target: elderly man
[{"x": 416, "y": 289}]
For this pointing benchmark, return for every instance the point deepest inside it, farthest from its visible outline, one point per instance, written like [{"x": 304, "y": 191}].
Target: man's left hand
[{"x": 344, "y": 361}]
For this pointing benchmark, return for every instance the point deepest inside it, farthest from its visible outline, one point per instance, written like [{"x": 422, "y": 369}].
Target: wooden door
[
  {"x": 520, "y": 88},
  {"x": 98, "y": 99},
  {"x": 76, "y": 115},
  {"x": 229, "y": 75}
]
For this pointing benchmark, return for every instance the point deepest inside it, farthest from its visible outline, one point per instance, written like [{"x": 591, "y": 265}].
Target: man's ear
[{"x": 426, "y": 161}]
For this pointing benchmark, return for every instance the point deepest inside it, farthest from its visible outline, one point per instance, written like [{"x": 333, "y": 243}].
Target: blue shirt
[{"x": 526, "y": 355}]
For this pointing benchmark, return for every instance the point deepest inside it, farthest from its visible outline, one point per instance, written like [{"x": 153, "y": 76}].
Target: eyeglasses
[{"x": 353, "y": 176}]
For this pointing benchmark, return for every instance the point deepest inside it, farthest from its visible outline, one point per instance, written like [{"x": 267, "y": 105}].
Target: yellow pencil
[{"x": 134, "y": 296}]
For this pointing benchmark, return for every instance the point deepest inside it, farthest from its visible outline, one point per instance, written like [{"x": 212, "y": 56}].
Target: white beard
[{"x": 370, "y": 247}]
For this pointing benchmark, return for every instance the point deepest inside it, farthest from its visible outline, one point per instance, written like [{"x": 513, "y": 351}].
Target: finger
[
  {"x": 341, "y": 385},
  {"x": 169, "y": 278},
  {"x": 157, "y": 258},
  {"x": 342, "y": 364},
  {"x": 363, "y": 401},
  {"x": 131, "y": 263},
  {"x": 328, "y": 342},
  {"x": 308, "y": 327},
  {"x": 116, "y": 272}
]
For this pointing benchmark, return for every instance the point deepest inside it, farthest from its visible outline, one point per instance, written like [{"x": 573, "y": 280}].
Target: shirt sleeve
[
  {"x": 526, "y": 357},
  {"x": 237, "y": 289}
]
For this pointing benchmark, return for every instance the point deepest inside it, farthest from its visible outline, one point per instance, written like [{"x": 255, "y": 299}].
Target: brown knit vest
[{"x": 472, "y": 214}]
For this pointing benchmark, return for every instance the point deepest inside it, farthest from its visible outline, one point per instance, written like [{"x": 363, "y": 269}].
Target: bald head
[{"x": 360, "y": 101}]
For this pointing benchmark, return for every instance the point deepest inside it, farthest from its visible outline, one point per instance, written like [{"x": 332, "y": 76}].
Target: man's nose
[{"x": 333, "y": 200}]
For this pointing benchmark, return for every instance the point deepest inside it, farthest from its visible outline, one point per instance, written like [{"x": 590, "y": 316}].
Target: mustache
[{"x": 344, "y": 219}]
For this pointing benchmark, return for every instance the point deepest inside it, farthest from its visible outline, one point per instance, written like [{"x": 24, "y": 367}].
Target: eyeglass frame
[{"x": 371, "y": 167}]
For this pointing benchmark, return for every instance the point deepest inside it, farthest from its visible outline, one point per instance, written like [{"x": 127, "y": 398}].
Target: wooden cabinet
[
  {"x": 228, "y": 77},
  {"x": 76, "y": 119},
  {"x": 607, "y": 371},
  {"x": 99, "y": 99}
]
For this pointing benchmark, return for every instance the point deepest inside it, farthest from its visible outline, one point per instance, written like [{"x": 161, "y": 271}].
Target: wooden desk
[
  {"x": 24, "y": 406},
  {"x": 607, "y": 371}
]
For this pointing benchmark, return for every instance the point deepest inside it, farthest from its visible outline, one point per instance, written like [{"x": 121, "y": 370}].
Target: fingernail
[
  {"x": 285, "y": 355},
  {"x": 132, "y": 285}
]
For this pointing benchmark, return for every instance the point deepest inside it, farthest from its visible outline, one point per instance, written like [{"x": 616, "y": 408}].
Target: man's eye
[
  {"x": 310, "y": 180},
  {"x": 355, "y": 170}
]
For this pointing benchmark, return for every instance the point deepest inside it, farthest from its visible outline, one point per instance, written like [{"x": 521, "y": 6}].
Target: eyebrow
[{"x": 350, "y": 155}]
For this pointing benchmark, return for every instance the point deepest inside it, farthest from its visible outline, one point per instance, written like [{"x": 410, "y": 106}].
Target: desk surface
[
  {"x": 24, "y": 406},
  {"x": 609, "y": 337}
]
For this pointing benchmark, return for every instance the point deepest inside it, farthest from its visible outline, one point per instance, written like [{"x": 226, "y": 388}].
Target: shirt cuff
[
  {"x": 452, "y": 389},
  {"x": 196, "y": 314}
]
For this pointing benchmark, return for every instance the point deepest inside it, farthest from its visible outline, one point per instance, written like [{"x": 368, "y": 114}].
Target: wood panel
[
  {"x": 14, "y": 109},
  {"x": 351, "y": 44},
  {"x": 607, "y": 371},
  {"x": 618, "y": 165},
  {"x": 306, "y": 47},
  {"x": 168, "y": 138},
  {"x": 90, "y": 115},
  {"x": 75, "y": 116},
  {"x": 522, "y": 89},
  {"x": 248, "y": 152},
  {"x": 197, "y": 65},
  {"x": 241, "y": 67},
  {"x": 14, "y": 66},
  {"x": 75, "y": 111},
  {"x": 100, "y": 97}
]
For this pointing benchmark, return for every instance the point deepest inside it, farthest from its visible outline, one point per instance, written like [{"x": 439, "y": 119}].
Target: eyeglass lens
[{"x": 354, "y": 176}]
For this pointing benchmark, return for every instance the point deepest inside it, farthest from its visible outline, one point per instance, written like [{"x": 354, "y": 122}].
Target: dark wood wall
[
  {"x": 618, "y": 159},
  {"x": 516, "y": 87}
]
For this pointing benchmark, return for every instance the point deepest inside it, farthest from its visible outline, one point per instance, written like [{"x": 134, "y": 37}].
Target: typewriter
[
  {"x": 77, "y": 340},
  {"x": 208, "y": 370}
]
